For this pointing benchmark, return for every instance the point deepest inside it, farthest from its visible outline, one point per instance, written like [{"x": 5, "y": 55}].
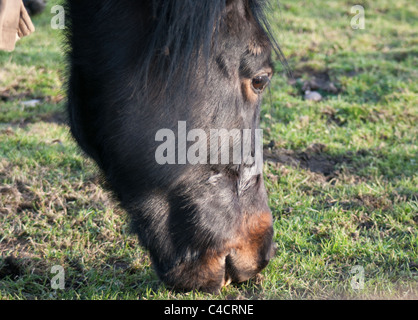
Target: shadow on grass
[
  {"x": 364, "y": 164},
  {"x": 32, "y": 278}
]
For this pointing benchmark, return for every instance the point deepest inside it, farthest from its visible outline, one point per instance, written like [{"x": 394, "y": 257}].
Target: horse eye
[{"x": 260, "y": 83}]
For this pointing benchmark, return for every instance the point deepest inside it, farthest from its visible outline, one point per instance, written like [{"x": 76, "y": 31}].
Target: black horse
[{"x": 139, "y": 66}]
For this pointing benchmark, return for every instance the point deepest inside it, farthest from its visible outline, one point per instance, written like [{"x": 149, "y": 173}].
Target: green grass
[{"x": 341, "y": 173}]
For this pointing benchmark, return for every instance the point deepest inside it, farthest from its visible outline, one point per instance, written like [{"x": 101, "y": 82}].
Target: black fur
[{"x": 139, "y": 66}]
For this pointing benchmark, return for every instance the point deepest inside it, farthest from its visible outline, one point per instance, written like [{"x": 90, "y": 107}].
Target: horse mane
[
  {"x": 259, "y": 9},
  {"x": 177, "y": 34},
  {"x": 185, "y": 29},
  {"x": 181, "y": 31}
]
